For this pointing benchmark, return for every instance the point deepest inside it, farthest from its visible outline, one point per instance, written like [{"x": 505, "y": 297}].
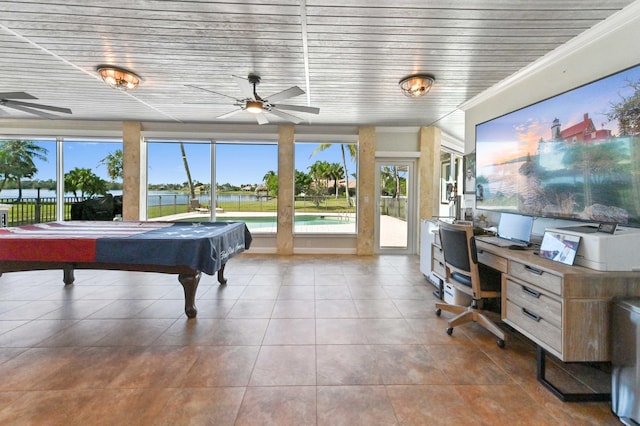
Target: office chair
[{"x": 466, "y": 275}]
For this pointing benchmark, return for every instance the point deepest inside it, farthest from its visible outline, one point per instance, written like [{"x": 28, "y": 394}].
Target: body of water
[
  {"x": 258, "y": 223},
  {"x": 154, "y": 198},
  {"x": 44, "y": 193}
]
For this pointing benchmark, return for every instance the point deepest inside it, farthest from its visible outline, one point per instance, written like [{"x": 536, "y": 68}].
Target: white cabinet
[{"x": 428, "y": 230}]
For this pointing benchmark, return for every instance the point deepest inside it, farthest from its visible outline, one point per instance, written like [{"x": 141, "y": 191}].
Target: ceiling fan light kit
[
  {"x": 416, "y": 85},
  {"x": 118, "y": 78},
  {"x": 254, "y": 107}
]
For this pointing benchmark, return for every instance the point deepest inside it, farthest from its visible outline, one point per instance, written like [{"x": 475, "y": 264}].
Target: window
[
  {"x": 92, "y": 169},
  {"x": 247, "y": 184},
  {"x": 28, "y": 180},
  {"x": 325, "y": 187},
  {"x": 179, "y": 180}
]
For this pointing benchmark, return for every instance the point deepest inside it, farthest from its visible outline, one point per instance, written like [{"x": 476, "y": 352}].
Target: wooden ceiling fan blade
[
  {"x": 261, "y": 119},
  {"x": 16, "y": 95},
  {"x": 38, "y": 106},
  {"x": 287, "y": 116},
  {"x": 29, "y": 110},
  {"x": 310, "y": 110},
  {"x": 291, "y": 92},
  {"x": 230, "y": 113},
  {"x": 246, "y": 88},
  {"x": 212, "y": 91}
]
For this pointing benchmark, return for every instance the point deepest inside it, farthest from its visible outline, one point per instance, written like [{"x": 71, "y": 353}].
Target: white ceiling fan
[
  {"x": 7, "y": 100},
  {"x": 257, "y": 105}
]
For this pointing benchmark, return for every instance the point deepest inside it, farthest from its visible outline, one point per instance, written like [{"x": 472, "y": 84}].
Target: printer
[{"x": 602, "y": 251}]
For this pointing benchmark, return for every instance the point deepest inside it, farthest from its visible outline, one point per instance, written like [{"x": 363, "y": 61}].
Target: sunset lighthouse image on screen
[{"x": 573, "y": 156}]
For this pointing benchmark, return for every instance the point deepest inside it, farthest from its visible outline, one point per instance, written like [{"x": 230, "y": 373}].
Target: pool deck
[{"x": 393, "y": 235}]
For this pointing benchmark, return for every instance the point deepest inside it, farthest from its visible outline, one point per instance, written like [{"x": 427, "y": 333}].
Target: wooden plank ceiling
[{"x": 347, "y": 55}]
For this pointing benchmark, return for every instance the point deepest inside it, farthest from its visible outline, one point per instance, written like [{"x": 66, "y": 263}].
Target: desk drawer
[
  {"x": 489, "y": 259},
  {"x": 438, "y": 253},
  {"x": 438, "y": 262},
  {"x": 535, "y": 300},
  {"x": 535, "y": 325},
  {"x": 531, "y": 274}
]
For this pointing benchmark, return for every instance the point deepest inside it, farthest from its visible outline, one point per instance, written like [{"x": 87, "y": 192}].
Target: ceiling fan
[
  {"x": 253, "y": 103},
  {"x": 7, "y": 101}
]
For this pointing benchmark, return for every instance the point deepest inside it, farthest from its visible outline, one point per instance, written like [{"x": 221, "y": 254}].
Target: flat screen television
[{"x": 573, "y": 156}]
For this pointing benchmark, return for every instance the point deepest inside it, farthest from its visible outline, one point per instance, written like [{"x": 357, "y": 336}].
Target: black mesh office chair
[{"x": 466, "y": 275}]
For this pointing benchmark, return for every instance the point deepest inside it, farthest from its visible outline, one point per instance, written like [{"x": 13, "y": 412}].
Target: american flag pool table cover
[
  {"x": 201, "y": 246},
  {"x": 186, "y": 249}
]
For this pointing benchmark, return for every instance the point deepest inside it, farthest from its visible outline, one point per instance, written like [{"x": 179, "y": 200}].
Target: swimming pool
[{"x": 302, "y": 223}]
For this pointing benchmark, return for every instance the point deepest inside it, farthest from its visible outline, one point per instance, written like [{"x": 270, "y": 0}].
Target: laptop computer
[{"x": 513, "y": 229}]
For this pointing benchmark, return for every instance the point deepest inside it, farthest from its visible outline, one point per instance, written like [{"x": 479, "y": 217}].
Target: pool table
[{"x": 182, "y": 248}]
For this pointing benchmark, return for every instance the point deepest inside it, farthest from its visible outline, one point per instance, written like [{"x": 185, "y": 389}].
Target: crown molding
[{"x": 582, "y": 41}]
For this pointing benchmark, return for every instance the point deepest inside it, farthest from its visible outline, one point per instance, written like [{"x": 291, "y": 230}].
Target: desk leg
[
  {"x": 221, "y": 278},
  {"x": 67, "y": 275},
  {"x": 190, "y": 284},
  {"x": 565, "y": 397}
]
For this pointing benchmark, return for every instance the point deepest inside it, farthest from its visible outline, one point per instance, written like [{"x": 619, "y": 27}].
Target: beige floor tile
[
  {"x": 284, "y": 331},
  {"x": 285, "y": 366},
  {"x": 300, "y": 340},
  {"x": 354, "y": 405},
  {"x": 347, "y": 365},
  {"x": 294, "y": 309},
  {"x": 278, "y": 405}
]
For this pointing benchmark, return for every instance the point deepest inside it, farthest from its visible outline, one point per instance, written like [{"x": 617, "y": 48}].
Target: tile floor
[{"x": 297, "y": 340}]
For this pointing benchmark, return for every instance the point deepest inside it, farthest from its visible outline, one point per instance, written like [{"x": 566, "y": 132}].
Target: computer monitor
[{"x": 515, "y": 227}]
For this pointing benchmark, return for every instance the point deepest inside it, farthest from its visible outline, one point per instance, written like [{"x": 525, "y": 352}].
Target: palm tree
[
  {"x": 192, "y": 191},
  {"x": 16, "y": 161},
  {"x": 336, "y": 172},
  {"x": 319, "y": 171},
  {"x": 85, "y": 181},
  {"x": 271, "y": 182},
  {"x": 353, "y": 153}
]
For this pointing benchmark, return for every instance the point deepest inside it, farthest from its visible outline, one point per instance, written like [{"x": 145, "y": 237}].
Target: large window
[
  {"x": 92, "y": 169},
  {"x": 247, "y": 184},
  {"x": 179, "y": 180},
  {"x": 325, "y": 187},
  {"x": 28, "y": 180}
]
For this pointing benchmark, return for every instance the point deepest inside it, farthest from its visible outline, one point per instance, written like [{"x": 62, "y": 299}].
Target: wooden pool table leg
[
  {"x": 221, "y": 278},
  {"x": 67, "y": 275},
  {"x": 190, "y": 284}
]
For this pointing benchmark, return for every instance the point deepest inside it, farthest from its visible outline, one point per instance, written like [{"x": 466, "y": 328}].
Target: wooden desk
[{"x": 565, "y": 310}]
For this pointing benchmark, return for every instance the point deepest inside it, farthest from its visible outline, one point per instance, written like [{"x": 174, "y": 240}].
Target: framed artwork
[
  {"x": 469, "y": 178},
  {"x": 446, "y": 187}
]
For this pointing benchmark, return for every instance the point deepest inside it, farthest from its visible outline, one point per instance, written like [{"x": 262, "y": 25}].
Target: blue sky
[{"x": 236, "y": 163}]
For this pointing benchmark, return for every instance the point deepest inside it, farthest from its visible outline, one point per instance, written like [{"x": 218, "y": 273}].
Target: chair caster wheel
[
  {"x": 438, "y": 312},
  {"x": 450, "y": 331},
  {"x": 500, "y": 343}
]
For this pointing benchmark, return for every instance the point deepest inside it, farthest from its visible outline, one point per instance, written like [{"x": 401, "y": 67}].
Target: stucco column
[
  {"x": 366, "y": 189},
  {"x": 131, "y": 140},
  {"x": 430, "y": 140},
  {"x": 284, "y": 236}
]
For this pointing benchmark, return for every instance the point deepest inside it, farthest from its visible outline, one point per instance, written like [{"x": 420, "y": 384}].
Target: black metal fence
[{"x": 27, "y": 211}]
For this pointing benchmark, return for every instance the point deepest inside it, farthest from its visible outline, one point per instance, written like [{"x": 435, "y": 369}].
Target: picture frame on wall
[
  {"x": 446, "y": 187},
  {"x": 469, "y": 177}
]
